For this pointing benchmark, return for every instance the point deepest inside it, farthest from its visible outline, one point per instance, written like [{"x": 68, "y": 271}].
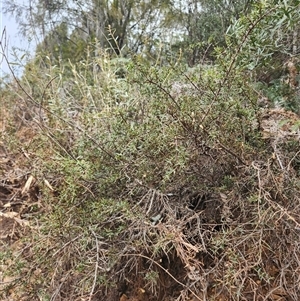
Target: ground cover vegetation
[{"x": 150, "y": 151}]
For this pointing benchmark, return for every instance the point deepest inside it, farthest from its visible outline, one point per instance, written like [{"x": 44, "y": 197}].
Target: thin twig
[
  {"x": 55, "y": 294},
  {"x": 232, "y": 153},
  {"x": 39, "y": 105},
  {"x": 96, "y": 265},
  {"x": 166, "y": 271},
  {"x": 66, "y": 244},
  {"x": 151, "y": 201},
  {"x": 294, "y": 157}
]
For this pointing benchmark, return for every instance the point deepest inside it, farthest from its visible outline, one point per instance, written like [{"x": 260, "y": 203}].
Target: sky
[{"x": 16, "y": 45}]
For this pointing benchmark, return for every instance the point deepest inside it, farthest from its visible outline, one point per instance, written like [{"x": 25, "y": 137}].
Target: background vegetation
[{"x": 150, "y": 151}]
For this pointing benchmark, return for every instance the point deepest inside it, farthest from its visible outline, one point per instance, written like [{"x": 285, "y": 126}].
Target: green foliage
[
  {"x": 264, "y": 34},
  {"x": 263, "y": 44},
  {"x": 159, "y": 171},
  {"x": 207, "y": 23}
]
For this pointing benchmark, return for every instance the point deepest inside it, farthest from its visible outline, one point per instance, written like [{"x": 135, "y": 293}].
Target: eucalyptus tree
[
  {"x": 112, "y": 24},
  {"x": 205, "y": 25}
]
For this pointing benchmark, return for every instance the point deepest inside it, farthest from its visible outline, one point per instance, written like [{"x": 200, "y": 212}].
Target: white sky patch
[{"x": 17, "y": 48}]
